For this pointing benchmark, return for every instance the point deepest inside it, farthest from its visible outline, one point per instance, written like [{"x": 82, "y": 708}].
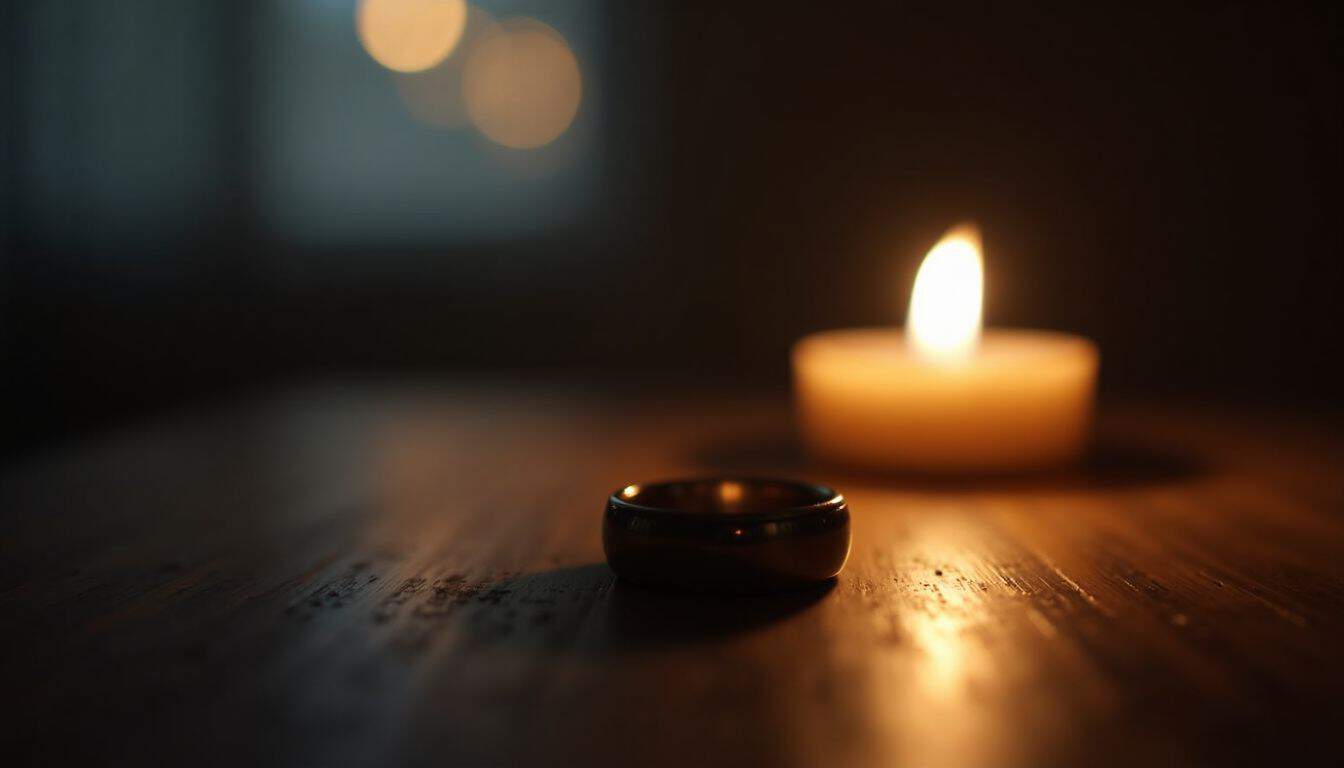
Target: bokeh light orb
[
  {"x": 410, "y": 35},
  {"x": 434, "y": 96},
  {"x": 521, "y": 86}
]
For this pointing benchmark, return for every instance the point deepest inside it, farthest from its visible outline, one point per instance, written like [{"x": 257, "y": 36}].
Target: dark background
[{"x": 1164, "y": 179}]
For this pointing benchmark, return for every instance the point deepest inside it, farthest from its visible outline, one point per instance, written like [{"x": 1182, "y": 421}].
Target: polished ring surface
[{"x": 726, "y": 533}]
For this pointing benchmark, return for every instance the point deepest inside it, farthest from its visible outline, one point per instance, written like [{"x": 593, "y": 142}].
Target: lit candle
[{"x": 945, "y": 396}]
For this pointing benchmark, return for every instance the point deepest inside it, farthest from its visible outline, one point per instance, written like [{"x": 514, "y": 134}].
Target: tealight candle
[{"x": 945, "y": 396}]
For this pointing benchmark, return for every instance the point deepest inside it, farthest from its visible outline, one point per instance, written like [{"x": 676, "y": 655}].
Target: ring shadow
[
  {"x": 1113, "y": 462},
  {"x": 587, "y": 611}
]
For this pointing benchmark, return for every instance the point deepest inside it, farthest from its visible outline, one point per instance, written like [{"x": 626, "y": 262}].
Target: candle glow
[{"x": 944, "y": 395}]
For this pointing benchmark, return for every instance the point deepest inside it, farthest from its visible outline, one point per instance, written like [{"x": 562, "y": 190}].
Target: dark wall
[{"x": 1163, "y": 179}]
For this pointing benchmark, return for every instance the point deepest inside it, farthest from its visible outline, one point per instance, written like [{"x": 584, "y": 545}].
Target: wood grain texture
[{"x": 414, "y": 575}]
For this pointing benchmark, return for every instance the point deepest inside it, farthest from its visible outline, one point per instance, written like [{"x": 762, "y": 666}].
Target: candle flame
[{"x": 946, "y": 303}]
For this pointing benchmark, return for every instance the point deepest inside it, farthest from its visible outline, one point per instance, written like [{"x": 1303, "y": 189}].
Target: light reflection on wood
[{"x": 425, "y": 568}]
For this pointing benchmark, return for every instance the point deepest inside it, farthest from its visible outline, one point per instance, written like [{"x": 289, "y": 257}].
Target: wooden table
[{"x": 377, "y": 575}]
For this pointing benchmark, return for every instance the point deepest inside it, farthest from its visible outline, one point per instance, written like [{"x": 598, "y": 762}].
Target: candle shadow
[
  {"x": 1113, "y": 462},
  {"x": 587, "y": 611}
]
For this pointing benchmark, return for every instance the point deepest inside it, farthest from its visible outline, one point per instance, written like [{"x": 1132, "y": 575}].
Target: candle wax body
[{"x": 1023, "y": 401}]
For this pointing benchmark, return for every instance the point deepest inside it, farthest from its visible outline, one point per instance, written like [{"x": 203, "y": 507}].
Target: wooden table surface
[{"x": 381, "y": 575}]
